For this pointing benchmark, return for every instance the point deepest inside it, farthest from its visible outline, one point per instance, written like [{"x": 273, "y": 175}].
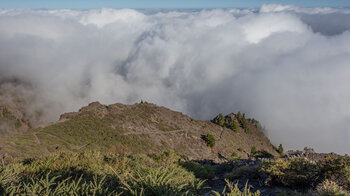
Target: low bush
[
  {"x": 280, "y": 150},
  {"x": 209, "y": 139},
  {"x": 253, "y": 150},
  {"x": 296, "y": 172},
  {"x": 303, "y": 173},
  {"x": 337, "y": 169},
  {"x": 233, "y": 156},
  {"x": 237, "y": 172},
  {"x": 262, "y": 154},
  {"x": 329, "y": 188},
  {"x": 233, "y": 190},
  {"x": 199, "y": 170}
]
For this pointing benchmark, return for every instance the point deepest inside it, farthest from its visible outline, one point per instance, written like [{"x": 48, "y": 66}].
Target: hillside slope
[
  {"x": 13, "y": 119},
  {"x": 139, "y": 128}
]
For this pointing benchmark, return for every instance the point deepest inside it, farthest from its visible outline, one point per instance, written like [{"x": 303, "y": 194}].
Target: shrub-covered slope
[{"x": 139, "y": 128}]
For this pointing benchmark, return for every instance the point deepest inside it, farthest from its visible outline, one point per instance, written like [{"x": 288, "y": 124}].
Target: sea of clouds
[{"x": 288, "y": 67}]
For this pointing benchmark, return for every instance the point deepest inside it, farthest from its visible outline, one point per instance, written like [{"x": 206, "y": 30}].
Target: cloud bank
[{"x": 285, "y": 66}]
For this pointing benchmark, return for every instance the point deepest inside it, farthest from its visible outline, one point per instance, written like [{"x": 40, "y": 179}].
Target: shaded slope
[
  {"x": 139, "y": 128},
  {"x": 12, "y": 116}
]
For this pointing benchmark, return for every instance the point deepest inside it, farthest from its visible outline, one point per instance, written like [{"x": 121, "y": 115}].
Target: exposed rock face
[
  {"x": 95, "y": 107},
  {"x": 230, "y": 117},
  {"x": 67, "y": 116}
]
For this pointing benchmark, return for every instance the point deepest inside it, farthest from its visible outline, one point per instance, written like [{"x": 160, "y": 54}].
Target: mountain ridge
[{"x": 138, "y": 128}]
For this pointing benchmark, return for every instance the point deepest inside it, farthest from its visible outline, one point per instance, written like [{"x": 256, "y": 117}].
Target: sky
[{"x": 89, "y": 4}]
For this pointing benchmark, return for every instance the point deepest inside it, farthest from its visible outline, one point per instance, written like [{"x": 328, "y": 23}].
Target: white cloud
[
  {"x": 275, "y": 65},
  {"x": 271, "y": 8}
]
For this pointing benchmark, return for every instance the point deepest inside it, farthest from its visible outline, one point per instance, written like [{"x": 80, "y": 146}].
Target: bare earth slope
[{"x": 139, "y": 128}]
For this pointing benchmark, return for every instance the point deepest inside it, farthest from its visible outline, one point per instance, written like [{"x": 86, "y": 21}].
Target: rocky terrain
[{"x": 139, "y": 128}]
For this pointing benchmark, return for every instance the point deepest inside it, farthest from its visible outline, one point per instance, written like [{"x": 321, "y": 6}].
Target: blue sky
[{"x": 85, "y": 4}]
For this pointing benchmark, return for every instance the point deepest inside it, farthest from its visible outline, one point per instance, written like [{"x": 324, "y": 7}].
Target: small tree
[
  {"x": 239, "y": 116},
  {"x": 244, "y": 124},
  {"x": 309, "y": 150},
  {"x": 210, "y": 140},
  {"x": 253, "y": 150},
  {"x": 219, "y": 120},
  {"x": 280, "y": 150},
  {"x": 234, "y": 126}
]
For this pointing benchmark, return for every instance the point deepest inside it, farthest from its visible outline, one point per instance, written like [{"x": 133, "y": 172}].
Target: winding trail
[
  {"x": 153, "y": 132},
  {"x": 37, "y": 140},
  {"x": 222, "y": 131}
]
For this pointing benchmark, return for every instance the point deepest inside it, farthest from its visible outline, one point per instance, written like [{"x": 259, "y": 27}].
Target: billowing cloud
[{"x": 284, "y": 65}]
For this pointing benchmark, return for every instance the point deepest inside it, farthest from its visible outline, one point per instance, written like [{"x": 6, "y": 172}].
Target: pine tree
[
  {"x": 280, "y": 150},
  {"x": 234, "y": 126},
  {"x": 253, "y": 150},
  {"x": 244, "y": 124},
  {"x": 219, "y": 120},
  {"x": 210, "y": 140},
  {"x": 239, "y": 116}
]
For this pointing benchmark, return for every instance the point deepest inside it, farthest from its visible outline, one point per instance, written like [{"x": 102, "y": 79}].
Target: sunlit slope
[{"x": 139, "y": 128}]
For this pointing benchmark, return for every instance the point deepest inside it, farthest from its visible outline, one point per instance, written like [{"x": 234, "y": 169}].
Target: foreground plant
[
  {"x": 233, "y": 190},
  {"x": 330, "y": 188},
  {"x": 94, "y": 173}
]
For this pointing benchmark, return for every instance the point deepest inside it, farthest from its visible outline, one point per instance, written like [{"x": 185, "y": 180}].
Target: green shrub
[
  {"x": 233, "y": 156},
  {"x": 300, "y": 172},
  {"x": 210, "y": 140},
  {"x": 329, "y": 188},
  {"x": 337, "y": 168},
  {"x": 296, "y": 172},
  {"x": 233, "y": 125},
  {"x": 253, "y": 150},
  {"x": 199, "y": 170},
  {"x": 233, "y": 190},
  {"x": 219, "y": 120},
  {"x": 262, "y": 154},
  {"x": 18, "y": 124},
  {"x": 280, "y": 150},
  {"x": 237, "y": 172},
  {"x": 243, "y": 122}
]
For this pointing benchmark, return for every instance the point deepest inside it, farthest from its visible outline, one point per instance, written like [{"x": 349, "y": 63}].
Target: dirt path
[
  {"x": 222, "y": 131},
  {"x": 37, "y": 140},
  {"x": 81, "y": 147},
  {"x": 153, "y": 132},
  {"x": 71, "y": 145}
]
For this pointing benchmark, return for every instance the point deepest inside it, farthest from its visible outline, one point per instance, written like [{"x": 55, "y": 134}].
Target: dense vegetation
[
  {"x": 303, "y": 173},
  {"x": 95, "y": 173},
  {"x": 234, "y": 121},
  {"x": 222, "y": 121}
]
